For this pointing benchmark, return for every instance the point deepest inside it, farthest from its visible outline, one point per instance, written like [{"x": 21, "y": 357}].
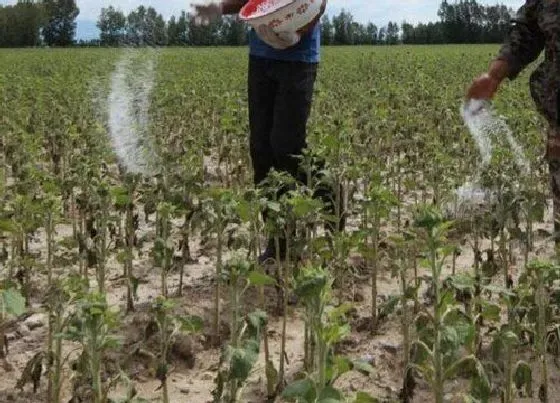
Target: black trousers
[{"x": 280, "y": 98}]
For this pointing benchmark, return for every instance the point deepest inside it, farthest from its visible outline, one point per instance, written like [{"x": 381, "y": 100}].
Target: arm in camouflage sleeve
[
  {"x": 525, "y": 41},
  {"x": 214, "y": 11},
  {"x": 232, "y": 6}
]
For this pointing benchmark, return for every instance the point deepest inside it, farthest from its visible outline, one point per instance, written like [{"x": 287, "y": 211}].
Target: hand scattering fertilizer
[{"x": 483, "y": 125}]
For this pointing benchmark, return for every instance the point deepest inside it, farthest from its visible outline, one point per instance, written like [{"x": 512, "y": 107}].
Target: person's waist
[
  {"x": 294, "y": 61},
  {"x": 302, "y": 54}
]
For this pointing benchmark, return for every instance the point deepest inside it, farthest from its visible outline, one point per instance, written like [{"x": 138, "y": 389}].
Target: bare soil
[{"x": 194, "y": 363}]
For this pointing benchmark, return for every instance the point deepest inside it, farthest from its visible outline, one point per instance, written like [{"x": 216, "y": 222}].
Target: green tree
[
  {"x": 327, "y": 30},
  {"x": 173, "y": 32},
  {"x": 343, "y": 24},
  {"x": 393, "y": 32},
  {"x": 112, "y": 24},
  {"x": 137, "y": 26},
  {"x": 20, "y": 24},
  {"x": 60, "y": 26},
  {"x": 372, "y": 32},
  {"x": 233, "y": 32},
  {"x": 382, "y": 35},
  {"x": 146, "y": 27},
  {"x": 180, "y": 32},
  {"x": 408, "y": 33}
]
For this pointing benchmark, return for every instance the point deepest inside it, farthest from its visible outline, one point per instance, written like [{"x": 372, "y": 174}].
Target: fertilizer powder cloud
[
  {"x": 128, "y": 106},
  {"x": 483, "y": 124}
]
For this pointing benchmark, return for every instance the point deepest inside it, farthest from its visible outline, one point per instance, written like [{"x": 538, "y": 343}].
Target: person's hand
[
  {"x": 281, "y": 41},
  {"x": 207, "y": 13},
  {"x": 484, "y": 87}
]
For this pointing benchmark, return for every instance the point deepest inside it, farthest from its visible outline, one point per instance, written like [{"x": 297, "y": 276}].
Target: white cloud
[{"x": 380, "y": 12}]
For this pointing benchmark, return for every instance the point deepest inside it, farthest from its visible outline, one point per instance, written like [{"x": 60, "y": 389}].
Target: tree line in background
[
  {"x": 53, "y": 23},
  {"x": 35, "y": 23}
]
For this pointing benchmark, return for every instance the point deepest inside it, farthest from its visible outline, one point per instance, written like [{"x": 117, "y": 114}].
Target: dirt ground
[{"x": 194, "y": 366}]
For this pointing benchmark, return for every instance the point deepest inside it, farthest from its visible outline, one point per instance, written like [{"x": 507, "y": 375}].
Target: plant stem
[
  {"x": 306, "y": 345},
  {"x": 95, "y": 365},
  {"x": 399, "y": 197},
  {"x": 438, "y": 359},
  {"x": 508, "y": 398},
  {"x": 50, "y": 387},
  {"x": 341, "y": 275},
  {"x": 129, "y": 253},
  {"x": 405, "y": 319},
  {"x": 57, "y": 372},
  {"x": 374, "y": 269},
  {"x": 73, "y": 214},
  {"x": 285, "y": 281},
  {"x": 541, "y": 330},
  {"x": 165, "y": 343},
  {"x": 102, "y": 247},
  {"x": 49, "y": 229},
  {"x": 234, "y": 327},
  {"x": 504, "y": 256},
  {"x": 185, "y": 256},
  {"x": 322, "y": 366},
  {"x": 216, "y": 324}
]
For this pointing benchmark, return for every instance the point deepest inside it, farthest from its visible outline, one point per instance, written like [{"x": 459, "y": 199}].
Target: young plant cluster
[{"x": 468, "y": 298}]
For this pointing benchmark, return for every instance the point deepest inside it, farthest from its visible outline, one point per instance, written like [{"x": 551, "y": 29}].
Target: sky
[{"x": 378, "y": 11}]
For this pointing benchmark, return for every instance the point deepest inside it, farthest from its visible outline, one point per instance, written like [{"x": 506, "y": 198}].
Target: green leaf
[
  {"x": 121, "y": 257},
  {"x": 191, "y": 324},
  {"x": 271, "y": 373},
  {"x": 112, "y": 343},
  {"x": 13, "y": 301},
  {"x": 494, "y": 289},
  {"x": 491, "y": 311},
  {"x": 363, "y": 397},
  {"x": 481, "y": 383},
  {"x": 122, "y": 200},
  {"x": 462, "y": 282},
  {"x": 537, "y": 211},
  {"x": 389, "y": 306},
  {"x": 422, "y": 353},
  {"x": 257, "y": 319},
  {"x": 135, "y": 282},
  {"x": 428, "y": 217},
  {"x": 447, "y": 301},
  {"x": 330, "y": 394},
  {"x": 510, "y": 338},
  {"x": 336, "y": 333},
  {"x": 259, "y": 279},
  {"x": 411, "y": 292},
  {"x": 523, "y": 376},
  {"x": 7, "y": 226},
  {"x": 341, "y": 366},
  {"x": 302, "y": 389},
  {"x": 463, "y": 363},
  {"x": 363, "y": 367},
  {"x": 303, "y": 207},
  {"x": 339, "y": 312},
  {"x": 312, "y": 286},
  {"x": 244, "y": 210},
  {"x": 274, "y": 206},
  {"x": 450, "y": 338},
  {"x": 242, "y": 362}
]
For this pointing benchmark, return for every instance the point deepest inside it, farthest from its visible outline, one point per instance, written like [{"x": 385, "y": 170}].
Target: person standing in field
[
  {"x": 535, "y": 28},
  {"x": 281, "y": 79}
]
